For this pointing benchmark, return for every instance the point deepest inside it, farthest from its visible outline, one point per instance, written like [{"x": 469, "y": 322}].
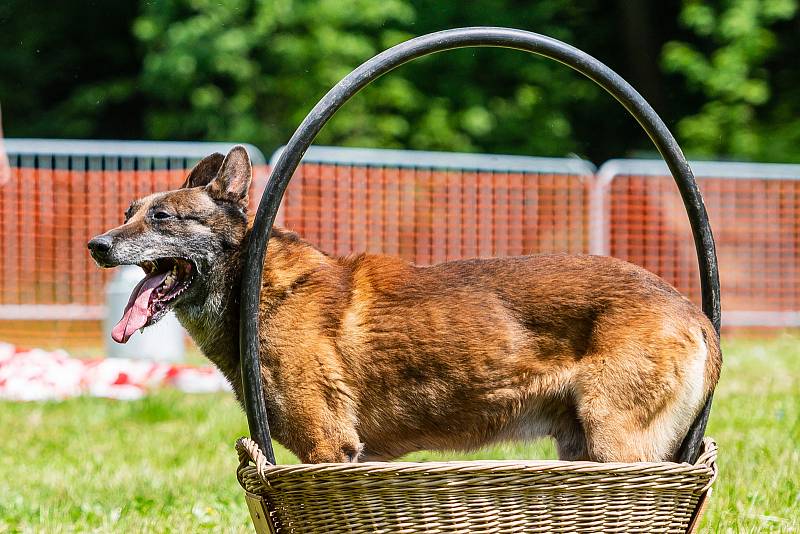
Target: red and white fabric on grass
[{"x": 29, "y": 375}]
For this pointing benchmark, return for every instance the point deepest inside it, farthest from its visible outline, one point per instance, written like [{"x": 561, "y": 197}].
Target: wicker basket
[{"x": 479, "y": 497}]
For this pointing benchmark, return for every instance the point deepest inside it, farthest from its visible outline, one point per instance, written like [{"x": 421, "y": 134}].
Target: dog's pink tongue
[{"x": 137, "y": 311}]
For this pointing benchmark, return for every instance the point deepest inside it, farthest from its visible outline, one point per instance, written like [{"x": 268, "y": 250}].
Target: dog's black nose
[{"x": 100, "y": 244}]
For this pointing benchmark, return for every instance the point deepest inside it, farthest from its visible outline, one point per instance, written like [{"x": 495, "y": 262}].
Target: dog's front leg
[
  {"x": 316, "y": 433},
  {"x": 332, "y": 452},
  {"x": 327, "y": 443}
]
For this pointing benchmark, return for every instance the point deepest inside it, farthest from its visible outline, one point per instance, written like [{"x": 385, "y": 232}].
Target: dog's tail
[{"x": 690, "y": 447}]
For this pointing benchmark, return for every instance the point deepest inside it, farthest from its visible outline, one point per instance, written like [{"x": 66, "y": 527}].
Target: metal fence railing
[{"x": 426, "y": 207}]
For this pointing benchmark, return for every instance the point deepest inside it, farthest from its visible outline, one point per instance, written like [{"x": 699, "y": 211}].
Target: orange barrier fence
[
  {"x": 754, "y": 211},
  {"x": 424, "y": 207},
  {"x": 429, "y": 215}
]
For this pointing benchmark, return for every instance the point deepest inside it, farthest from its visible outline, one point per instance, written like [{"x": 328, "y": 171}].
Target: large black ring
[{"x": 394, "y": 57}]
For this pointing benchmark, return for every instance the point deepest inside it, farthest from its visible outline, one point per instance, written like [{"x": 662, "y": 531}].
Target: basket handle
[{"x": 402, "y": 53}]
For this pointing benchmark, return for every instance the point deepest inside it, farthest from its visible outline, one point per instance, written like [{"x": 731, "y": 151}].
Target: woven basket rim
[
  {"x": 250, "y": 454},
  {"x": 498, "y": 466}
]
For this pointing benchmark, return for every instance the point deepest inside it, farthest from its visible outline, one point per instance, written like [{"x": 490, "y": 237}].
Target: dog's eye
[{"x": 162, "y": 215}]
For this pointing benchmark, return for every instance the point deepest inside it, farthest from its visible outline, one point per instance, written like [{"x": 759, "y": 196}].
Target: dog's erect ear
[
  {"x": 205, "y": 171},
  {"x": 233, "y": 180}
]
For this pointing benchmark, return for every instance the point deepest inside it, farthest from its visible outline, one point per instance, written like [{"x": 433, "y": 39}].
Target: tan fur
[{"x": 368, "y": 357}]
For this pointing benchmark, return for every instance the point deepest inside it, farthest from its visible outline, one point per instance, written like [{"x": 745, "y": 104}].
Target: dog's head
[{"x": 178, "y": 238}]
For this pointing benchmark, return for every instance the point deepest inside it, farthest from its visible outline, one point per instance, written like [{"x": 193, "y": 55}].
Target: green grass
[{"x": 166, "y": 463}]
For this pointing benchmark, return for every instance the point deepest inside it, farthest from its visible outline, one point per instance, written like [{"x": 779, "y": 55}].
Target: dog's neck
[{"x": 213, "y": 320}]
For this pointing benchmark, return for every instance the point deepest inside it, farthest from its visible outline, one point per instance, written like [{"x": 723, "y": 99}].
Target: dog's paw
[{"x": 346, "y": 453}]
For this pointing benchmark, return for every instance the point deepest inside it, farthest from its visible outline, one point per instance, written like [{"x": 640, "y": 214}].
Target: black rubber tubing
[{"x": 402, "y": 53}]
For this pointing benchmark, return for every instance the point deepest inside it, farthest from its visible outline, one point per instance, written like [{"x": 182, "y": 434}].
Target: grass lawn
[{"x": 167, "y": 464}]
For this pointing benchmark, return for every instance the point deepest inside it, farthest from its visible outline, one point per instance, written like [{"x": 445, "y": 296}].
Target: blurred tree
[
  {"x": 728, "y": 63},
  {"x": 511, "y": 102},
  {"x": 251, "y": 69}
]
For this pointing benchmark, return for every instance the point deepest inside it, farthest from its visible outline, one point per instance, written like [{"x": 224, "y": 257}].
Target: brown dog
[{"x": 368, "y": 357}]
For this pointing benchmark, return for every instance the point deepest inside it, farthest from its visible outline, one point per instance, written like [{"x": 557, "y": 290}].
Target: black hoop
[{"x": 385, "y": 62}]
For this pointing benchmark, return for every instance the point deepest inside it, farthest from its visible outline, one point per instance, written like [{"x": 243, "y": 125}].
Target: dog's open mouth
[{"x": 165, "y": 280}]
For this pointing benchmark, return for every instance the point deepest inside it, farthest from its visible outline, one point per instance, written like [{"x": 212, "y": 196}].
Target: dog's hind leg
[{"x": 636, "y": 404}]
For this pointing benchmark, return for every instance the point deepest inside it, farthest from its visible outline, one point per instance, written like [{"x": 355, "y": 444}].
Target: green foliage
[
  {"x": 502, "y": 101},
  {"x": 726, "y": 64},
  {"x": 249, "y": 70}
]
